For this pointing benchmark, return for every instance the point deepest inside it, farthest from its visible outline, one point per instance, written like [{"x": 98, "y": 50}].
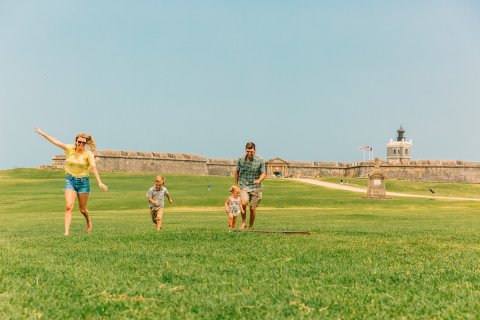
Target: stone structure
[
  {"x": 277, "y": 167},
  {"x": 400, "y": 149},
  {"x": 156, "y": 162},
  {"x": 376, "y": 183}
]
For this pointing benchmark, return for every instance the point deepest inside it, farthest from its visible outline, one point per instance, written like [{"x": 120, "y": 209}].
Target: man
[{"x": 249, "y": 174}]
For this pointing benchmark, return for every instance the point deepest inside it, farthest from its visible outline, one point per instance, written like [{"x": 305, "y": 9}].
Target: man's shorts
[
  {"x": 253, "y": 197},
  {"x": 79, "y": 185},
  {"x": 156, "y": 213}
]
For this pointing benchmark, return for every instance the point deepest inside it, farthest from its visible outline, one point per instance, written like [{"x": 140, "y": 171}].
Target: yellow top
[{"x": 78, "y": 164}]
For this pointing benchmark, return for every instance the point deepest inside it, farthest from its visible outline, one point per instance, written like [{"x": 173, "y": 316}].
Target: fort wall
[
  {"x": 221, "y": 167},
  {"x": 156, "y": 162}
]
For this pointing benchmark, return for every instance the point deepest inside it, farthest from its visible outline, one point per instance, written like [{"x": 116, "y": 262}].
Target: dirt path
[{"x": 363, "y": 190}]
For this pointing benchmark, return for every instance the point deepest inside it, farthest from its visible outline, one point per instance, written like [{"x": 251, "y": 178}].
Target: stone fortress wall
[
  {"x": 414, "y": 170},
  {"x": 174, "y": 163}
]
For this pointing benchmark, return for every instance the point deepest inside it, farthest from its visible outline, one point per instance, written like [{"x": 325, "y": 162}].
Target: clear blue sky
[{"x": 305, "y": 80}]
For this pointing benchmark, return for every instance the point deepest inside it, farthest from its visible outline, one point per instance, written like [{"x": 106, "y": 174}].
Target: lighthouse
[{"x": 399, "y": 149}]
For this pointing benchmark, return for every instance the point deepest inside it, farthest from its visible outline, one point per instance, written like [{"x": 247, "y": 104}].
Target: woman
[{"x": 79, "y": 161}]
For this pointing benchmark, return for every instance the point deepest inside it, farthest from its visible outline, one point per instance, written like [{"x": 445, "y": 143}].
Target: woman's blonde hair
[
  {"x": 233, "y": 188},
  {"x": 90, "y": 142}
]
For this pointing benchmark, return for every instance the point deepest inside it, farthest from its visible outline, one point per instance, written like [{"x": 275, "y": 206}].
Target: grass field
[
  {"x": 442, "y": 189},
  {"x": 365, "y": 259}
]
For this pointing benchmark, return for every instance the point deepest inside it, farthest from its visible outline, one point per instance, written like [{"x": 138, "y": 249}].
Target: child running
[
  {"x": 233, "y": 206},
  {"x": 156, "y": 201}
]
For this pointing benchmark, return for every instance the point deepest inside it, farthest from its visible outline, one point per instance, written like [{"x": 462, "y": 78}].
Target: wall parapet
[
  {"x": 160, "y": 162},
  {"x": 147, "y": 155}
]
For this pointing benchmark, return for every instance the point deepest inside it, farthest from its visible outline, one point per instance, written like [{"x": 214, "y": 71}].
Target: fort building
[
  {"x": 164, "y": 163},
  {"x": 398, "y": 165}
]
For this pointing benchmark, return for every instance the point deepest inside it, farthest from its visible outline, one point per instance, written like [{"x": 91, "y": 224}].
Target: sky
[{"x": 305, "y": 80}]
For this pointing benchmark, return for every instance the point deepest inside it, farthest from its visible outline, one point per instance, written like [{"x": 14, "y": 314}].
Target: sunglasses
[{"x": 82, "y": 142}]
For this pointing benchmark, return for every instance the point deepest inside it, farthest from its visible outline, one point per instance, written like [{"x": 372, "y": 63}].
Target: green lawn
[
  {"x": 421, "y": 188},
  {"x": 365, "y": 259}
]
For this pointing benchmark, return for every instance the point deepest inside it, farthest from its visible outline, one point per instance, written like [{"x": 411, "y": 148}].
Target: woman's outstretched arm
[{"x": 51, "y": 139}]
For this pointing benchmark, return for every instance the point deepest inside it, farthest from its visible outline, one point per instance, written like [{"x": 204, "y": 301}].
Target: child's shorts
[
  {"x": 79, "y": 185},
  {"x": 156, "y": 213}
]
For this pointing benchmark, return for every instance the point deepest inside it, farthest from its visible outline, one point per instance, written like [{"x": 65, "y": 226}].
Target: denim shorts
[{"x": 79, "y": 185}]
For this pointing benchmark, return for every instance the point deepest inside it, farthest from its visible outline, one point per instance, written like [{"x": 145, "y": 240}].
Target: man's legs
[
  {"x": 244, "y": 196},
  {"x": 255, "y": 198},
  {"x": 253, "y": 212}
]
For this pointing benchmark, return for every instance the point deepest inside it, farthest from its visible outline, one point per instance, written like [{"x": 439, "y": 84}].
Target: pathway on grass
[{"x": 364, "y": 190}]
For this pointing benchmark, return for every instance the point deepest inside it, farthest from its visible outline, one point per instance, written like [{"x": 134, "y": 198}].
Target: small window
[
  {"x": 406, "y": 151},
  {"x": 394, "y": 151}
]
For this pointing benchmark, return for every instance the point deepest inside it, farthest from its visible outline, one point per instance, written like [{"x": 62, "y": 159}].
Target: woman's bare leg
[
  {"x": 82, "y": 203},
  {"x": 69, "y": 203}
]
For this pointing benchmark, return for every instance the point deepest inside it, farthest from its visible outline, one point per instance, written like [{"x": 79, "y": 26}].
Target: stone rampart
[
  {"x": 132, "y": 161},
  {"x": 221, "y": 167},
  {"x": 157, "y": 162},
  {"x": 420, "y": 170}
]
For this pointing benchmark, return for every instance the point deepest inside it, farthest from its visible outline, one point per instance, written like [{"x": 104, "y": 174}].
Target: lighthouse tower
[{"x": 399, "y": 149}]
